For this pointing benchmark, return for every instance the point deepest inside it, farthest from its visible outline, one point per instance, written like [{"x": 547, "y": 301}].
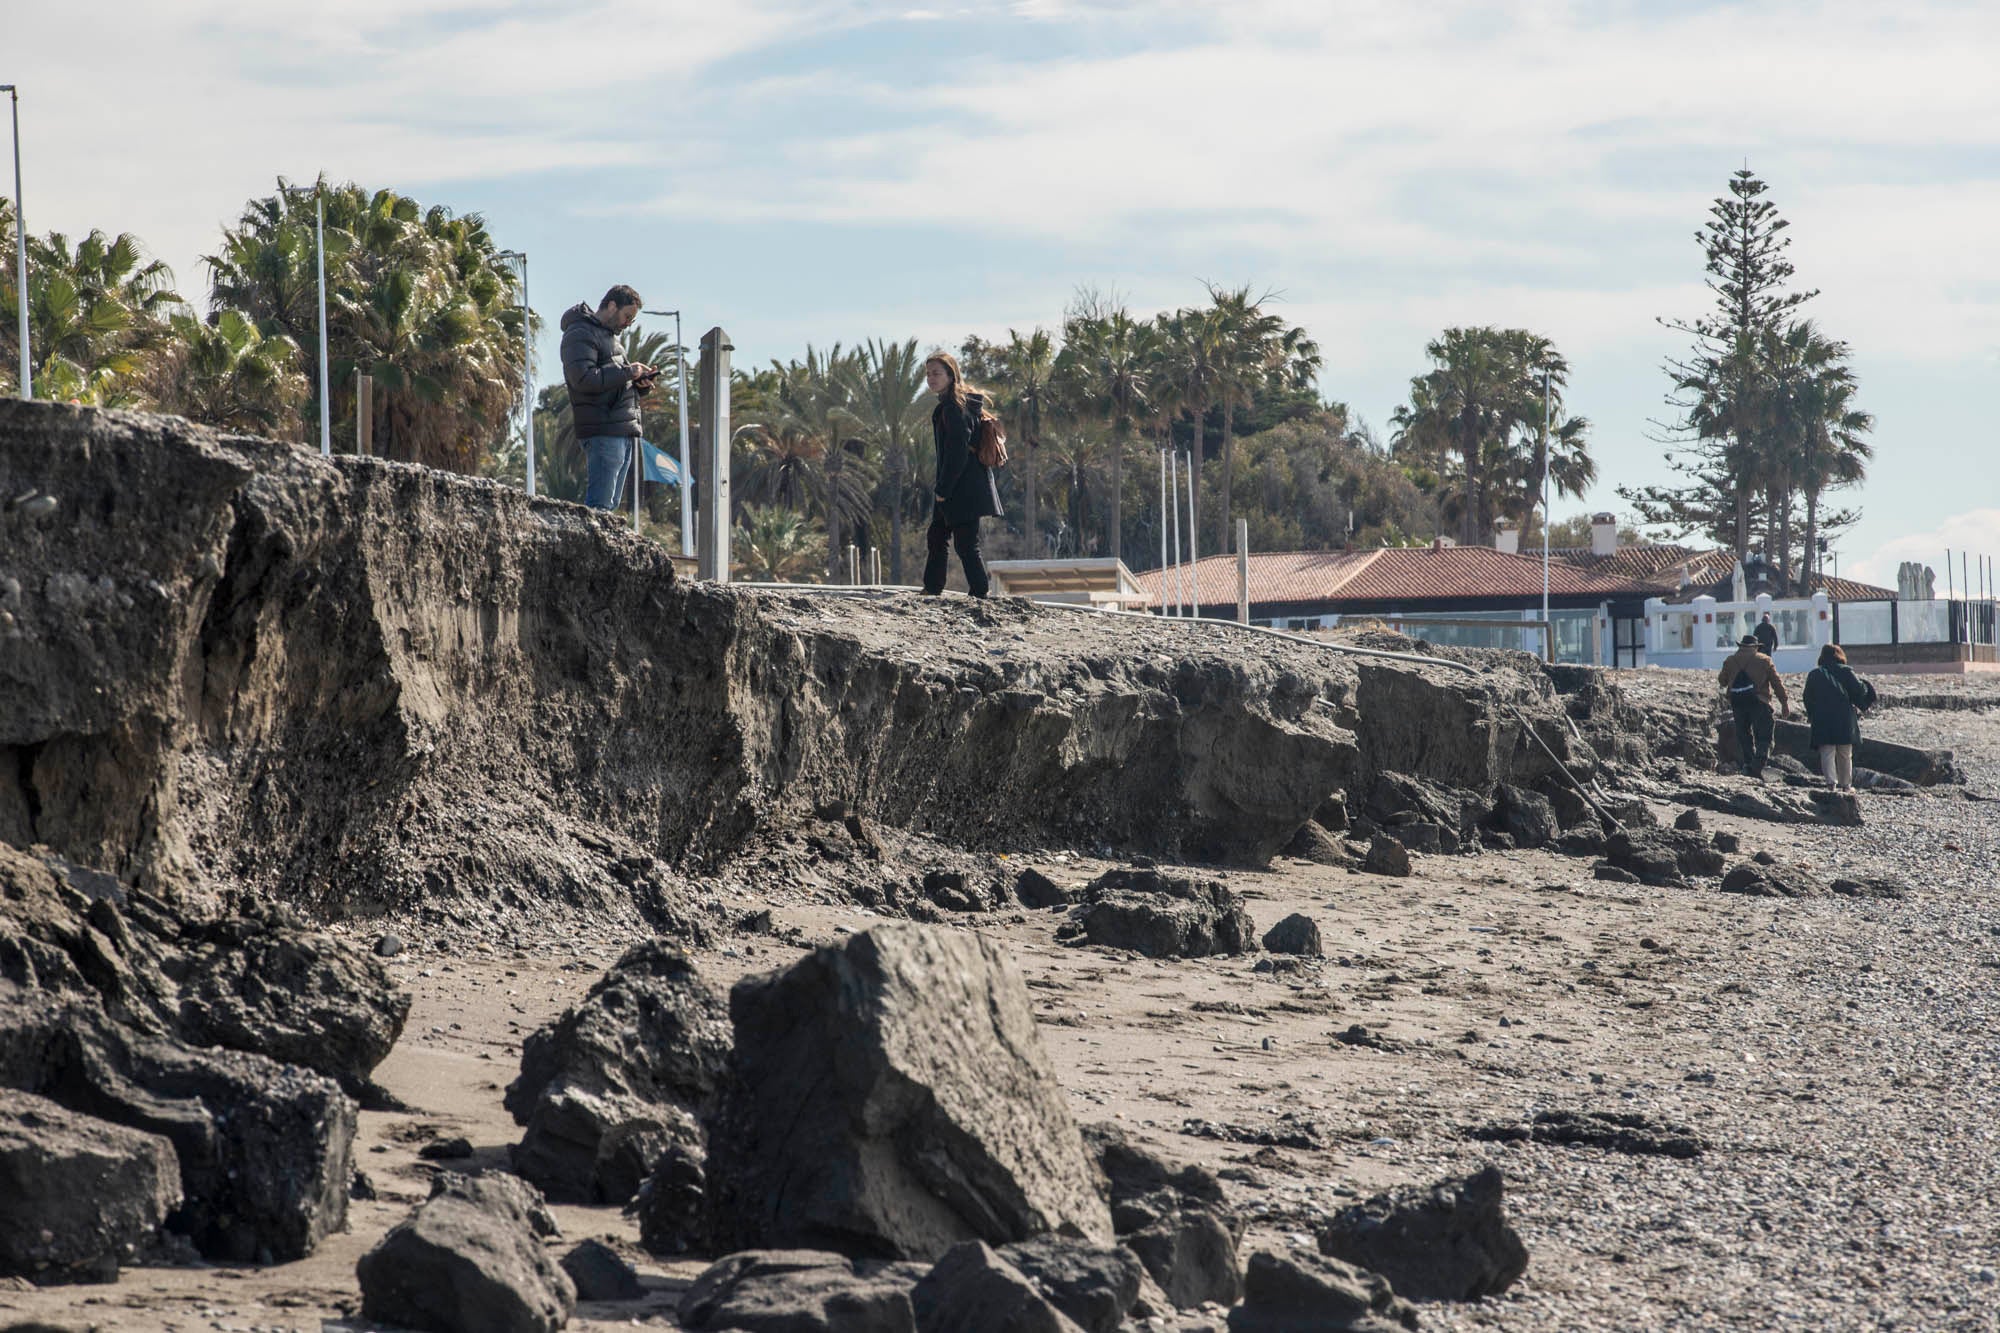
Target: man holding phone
[{"x": 604, "y": 391}]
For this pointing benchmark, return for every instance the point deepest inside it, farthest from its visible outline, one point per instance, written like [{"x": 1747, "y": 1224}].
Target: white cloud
[{"x": 1975, "y": 531}]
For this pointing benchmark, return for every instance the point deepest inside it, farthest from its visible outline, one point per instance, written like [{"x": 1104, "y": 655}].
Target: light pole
[
  {"x": 20, "y": 246},
  {"x": 527, "y": 365},
  {"x": 1548, "y": 629},
  {"x": 681, "y": 408},
  {"x": 325, "y": 402}
]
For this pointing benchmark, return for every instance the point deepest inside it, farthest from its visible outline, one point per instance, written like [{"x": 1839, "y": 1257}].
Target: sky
[{"x": 812, "y": 171}]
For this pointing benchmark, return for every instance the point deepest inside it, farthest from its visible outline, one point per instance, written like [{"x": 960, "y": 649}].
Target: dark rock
[
  {"x": 1313, "y": 843},
  {"x": 1622, "y": 1132},
  {"x": 953, "y": 891},
  {"x": 1310, "y": 1293},
  {"x": 1094, "y": 1285},
  {"x": 1727, "y": 843},
  {"x": 1759, "y": 881},
  {"x": 600, "y": 1273},
  {"x": 1165, "y": 916},
  {"x": 1613, "y": 874},
  {"x": 1572, "y": 811},
  {"x": 1837, "y": 807},
  {"x": 453, "y": 1149},
  {"x": 264, "y": 1148},
  {"x": 1662, "y": 856},
  {"x": 362, "y": 1187},
  {"x": 673, "y": 1204},
  {"x": 1172, "y": 1218},
  {"x": 388, "y": 946},
  {"x": 974, "y": 1290},
  {"x": 1764, "y": 858},
  {"x": 1585, "y": 841},
  {"x": 1496, "y": 842},
  {"x": 1038, "y": 891},
  {"x": 798, "y": 1291},
  {"x": 1446, "y": 1243},
  {"x": 1689, "y": 820},
  {"x": 1386, "y": 856},
  {"x": 1332, "y": 813},
  {"x": 1297, "y": 933},
  {"x": 622, "y": 1075},
  {"x": 1526, "y": 816},
  {"x": 1874, "y": 886},
  {"x": 890, "y": 1096},
  {"x": 1421, "y": 836},
  {"x": 78, "y": 1196},
  {"x": 468, "y": 1261}
]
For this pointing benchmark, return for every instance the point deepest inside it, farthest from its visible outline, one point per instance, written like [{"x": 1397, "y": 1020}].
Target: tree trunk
[
  {"x": 1227, "y": 544},
  {"x": 1475, "y": 482},
  {"x": 1117, "y": 493},
  {"x": 1811, "y": 554},
  {"x": 833, "y": 561},
  {"x": 1194, "y": 476}
]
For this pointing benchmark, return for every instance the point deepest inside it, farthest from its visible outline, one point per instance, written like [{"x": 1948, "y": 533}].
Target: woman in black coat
[
  {"x": 965, "y": 491},
  {"x": 1834, "y": 698}
]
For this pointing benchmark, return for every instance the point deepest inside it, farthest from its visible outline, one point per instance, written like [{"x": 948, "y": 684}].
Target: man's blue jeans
[{"x": 610, "y": 459}]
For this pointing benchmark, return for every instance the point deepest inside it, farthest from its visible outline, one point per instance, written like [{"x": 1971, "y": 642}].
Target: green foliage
[
  {"x": 776, "y": 544},
  {"x": 98, "y": 312},
  {"x": 225, "y": 373}
]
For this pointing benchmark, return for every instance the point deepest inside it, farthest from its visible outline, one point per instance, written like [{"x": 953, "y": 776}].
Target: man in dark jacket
[
  {"x": 1767, "y": 636},
  {"x": 1751, "y": 679},
  {"x": 604, "y": 391}
]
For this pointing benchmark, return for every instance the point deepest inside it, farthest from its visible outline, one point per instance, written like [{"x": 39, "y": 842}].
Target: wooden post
[
  {"x": 1242, "y": 571},
  {"x": 364, "y": 415}
]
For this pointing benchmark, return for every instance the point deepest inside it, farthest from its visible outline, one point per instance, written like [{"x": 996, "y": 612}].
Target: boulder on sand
[
  {"x": 1308, "y": 1293},
  {"x": 622, "y": 1076},
  {"x": 1386, "y": 856},
  {"x": 1173, "y": 1218},
  {"x": 1297, "y": 933},
  {"x": 889, "y": 1096},
  {"x": 799, "y": 1291},
  {"x": 1094, "y": 1285},
  {"x": 1449, "y": 1242},
  {"x": 77, "y": 1195},
  {"x": 1165, "y": 916},
  {"x": 974, "y": 1290},
  {"x": 468, "y": 1261}
]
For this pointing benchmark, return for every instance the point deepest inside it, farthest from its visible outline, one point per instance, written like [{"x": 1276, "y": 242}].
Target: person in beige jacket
[{"x": 1750, "y": 679}]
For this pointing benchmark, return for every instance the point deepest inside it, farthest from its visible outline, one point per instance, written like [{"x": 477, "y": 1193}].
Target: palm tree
[
  {"x": 776, "y": 544},
  {"x": 98, "y": 312},
  {"x": 1023, "y": 370},
  {"x": 1107, "y": 358},
  {"x": 783, "y": 467},
  {"x": 223, "y": 372},
  {"x": 889, "y": 410},
  {"x": 814, "y": 401},
  {"x": 1816, "y": 431},
  {"x": 1255, "y": 349}
]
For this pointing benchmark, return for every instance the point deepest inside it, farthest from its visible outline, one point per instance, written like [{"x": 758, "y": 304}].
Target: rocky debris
[
  {"x": 673, "y": 1204},
  {"x": 456, "y": 1148},
  {"x": 1457, "y": 731},
  {"x": 1386, "y": 856},
  {"x": 1525, "y": 816},
  {"x": 1622, "y": 1132},
  {"x": 1310, "y": 1293},
  {"x": 620, "y": 1078},
  {"x": 1725, "y": 842},
  {"x": 1424, "y": 816},
  {"x": 1175, "y": 1219},
  {"x": 955, "y": 891},
  {"x": 1837, "y": 807},
  {"x": 799, "y": 1291},
  {"x": 890, "y": 1095},
  {"x": 1759, "y": 881},
  {"x": 1662, "y": 856},
  {"x": 1332, "y": 812},
  {"x": 600, "y": 1273},
  {"x": 1164, "y": 916},
  {"x": 78, "y": 1196},
  {"x": 1036, "y": 890},
  {"x": 468, "y": 1260},
  {"x": 1613, "y": 874},
  {"x": 388, "y": 945},
  {"x": 974, "y": 1290},
  {"x": 1689, "y": 820},
  {"x": 1093, "y": 1285},
  {"x": 251, "y": 978},
  {"x": 1449, "y": 1242},
  {"x": 265, "y": 1150},
  {"x": 1298, "y": 934}
]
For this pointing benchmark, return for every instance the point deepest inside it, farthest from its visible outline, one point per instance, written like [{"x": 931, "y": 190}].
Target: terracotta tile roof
[
  {"x": 1419, "y": 573},
  {"x": 1847, "y": 590},
  {"x": 1662, "y": 563}
]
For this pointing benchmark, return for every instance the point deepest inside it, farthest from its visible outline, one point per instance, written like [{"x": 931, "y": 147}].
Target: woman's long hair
[
  {"x": 1833, "y": 655},
  {"x": 958, "y": 388}
]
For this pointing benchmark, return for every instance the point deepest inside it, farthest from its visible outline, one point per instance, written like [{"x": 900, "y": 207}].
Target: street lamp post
[
  {"x": 20, "y": 246},
  {"x": 681, "y": 409},
  {"x": 325, "y": 402},
  {"x": 527, "y": 365},
  {"x": 1548, "y": 629}
]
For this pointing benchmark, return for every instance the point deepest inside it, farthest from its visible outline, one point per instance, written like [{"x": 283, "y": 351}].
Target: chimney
[
  {"x": 1604, "y": 534},
  {"x": 1507, "y": 539}
]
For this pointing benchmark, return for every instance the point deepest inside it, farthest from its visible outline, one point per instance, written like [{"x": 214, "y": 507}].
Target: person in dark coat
[
  {"x": 1835, "y": 697},
  {"x": 1767, "y": 636},
  {"x": 964, "y": 491},
  {"x": 604, "y": 391}
]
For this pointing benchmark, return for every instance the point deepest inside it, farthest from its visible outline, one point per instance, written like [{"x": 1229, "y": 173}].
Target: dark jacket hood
[{"x": 580, "y": 311}]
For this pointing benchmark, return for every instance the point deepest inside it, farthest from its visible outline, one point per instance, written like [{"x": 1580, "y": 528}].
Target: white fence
[{"x": 1704, "y": 632}]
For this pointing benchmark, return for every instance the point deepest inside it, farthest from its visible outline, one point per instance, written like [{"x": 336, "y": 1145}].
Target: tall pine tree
[{"x": 1720, "y": 395}]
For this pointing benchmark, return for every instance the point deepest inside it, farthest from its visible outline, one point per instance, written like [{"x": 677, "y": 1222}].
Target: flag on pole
[{"x": 659, "y": 464}]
